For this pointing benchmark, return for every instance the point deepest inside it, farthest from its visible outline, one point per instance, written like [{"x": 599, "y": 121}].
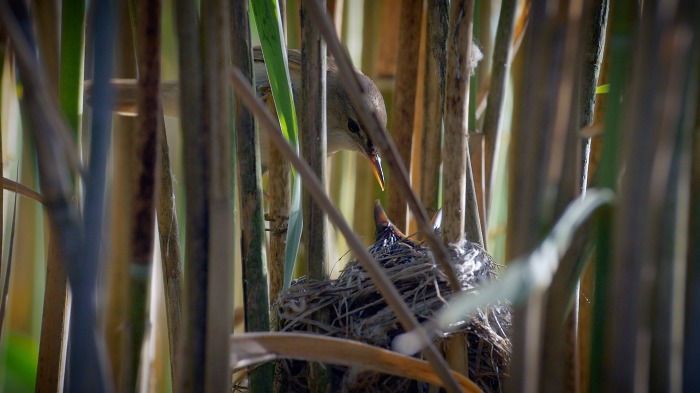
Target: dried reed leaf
[{"x": 252, "y": 348}]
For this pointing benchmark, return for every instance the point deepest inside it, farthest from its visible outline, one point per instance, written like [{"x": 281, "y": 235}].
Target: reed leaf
[
  {"x": 269, "y": 24},
  {"x": 169, "y": 235},
  {"x": 254, "y": 348}
]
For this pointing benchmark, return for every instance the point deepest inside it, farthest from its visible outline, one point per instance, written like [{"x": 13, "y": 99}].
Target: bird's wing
[{"x": 262, "y": 83}]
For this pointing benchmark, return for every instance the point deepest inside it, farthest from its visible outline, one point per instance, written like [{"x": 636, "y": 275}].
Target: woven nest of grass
[{"x": 358, "y": 312}]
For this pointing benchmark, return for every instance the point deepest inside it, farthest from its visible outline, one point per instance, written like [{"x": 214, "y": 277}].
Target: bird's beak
[
  {"x": 376, "y": 161},
  {"x": 382, "y": 222}
]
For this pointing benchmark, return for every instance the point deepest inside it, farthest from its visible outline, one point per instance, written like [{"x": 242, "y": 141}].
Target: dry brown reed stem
[
  {"x": 312, "y": 133},
  {"x": 117, "y": 286},
  {"x": 417, "y": 149},
  {"x": 372, "y": 125},
  {"x": 456, "y": 164},
  {"x": 217, "y": 103},
  {"x": 117, "y": 291},
  {"x": 280, "y": 203},
  {"x": 431, "y": 152},
  {"x": 279, "y": 179},
  {"x": 191, "y": 350},
  {"x": 457, "y": 175},
  {"x": 404, "y": 103},
  {"x": 386, "y": 288},
  {"x": 313, "y": 128},
  {"x": 388, "y": 39},
  {"x": 254, "y": 275},
  {"x": 145, "y": 172},
  {"x": 433, "y": 103},
  {"x": 21, "y": 189},
  {"x": 51, "y": 364},
  {"x": 168, "y": 232}
]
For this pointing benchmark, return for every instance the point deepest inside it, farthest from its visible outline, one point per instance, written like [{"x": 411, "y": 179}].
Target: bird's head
[{"x": 345, "y": 131}]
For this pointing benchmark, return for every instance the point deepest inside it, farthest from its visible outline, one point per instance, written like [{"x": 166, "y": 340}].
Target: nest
[{"x": 358, "y": 312}]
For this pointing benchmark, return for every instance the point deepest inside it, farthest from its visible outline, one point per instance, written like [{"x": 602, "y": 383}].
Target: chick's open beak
[{"x": 376, "y": 161}]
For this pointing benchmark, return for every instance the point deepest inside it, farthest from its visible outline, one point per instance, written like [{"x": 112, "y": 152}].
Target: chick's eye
[{"x": 353, "y": 126}]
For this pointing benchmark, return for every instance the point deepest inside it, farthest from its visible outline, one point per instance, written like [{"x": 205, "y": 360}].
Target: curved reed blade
[
  {"x": 253, "y": 348},
  {"x": 267, "y": 16}
]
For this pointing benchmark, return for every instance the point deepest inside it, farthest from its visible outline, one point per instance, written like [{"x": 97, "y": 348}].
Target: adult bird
[{"x": 344, "y": 129}]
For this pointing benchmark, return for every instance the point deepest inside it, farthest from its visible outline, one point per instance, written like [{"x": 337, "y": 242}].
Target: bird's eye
[{"x": 353, "y": 126}]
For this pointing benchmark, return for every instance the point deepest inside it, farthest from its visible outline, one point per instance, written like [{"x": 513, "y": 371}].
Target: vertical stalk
[
  {"x": 456, "y": 163},
  {"x": 313, "y": 126},
  {"x": 146, "y": 147},
  {"x": 624, "y": 19},
  {"x": 217, "y": 101},
  {"x": 190, "y": 375},
  {"x": 51, "y": 365},
  {"x": 115, "y": 315},
  {"x": 249, "y": 174},
  {"x": 404, "y": 106},
  {"x": 93, "y": 214},
  {"x": 493, "y": 117},
  {"x": 691, "y": 334},
  {"x": 433, "y": 103},
  {"x": 279, "y": 179},
  {"x": 52, "y": 347}
]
